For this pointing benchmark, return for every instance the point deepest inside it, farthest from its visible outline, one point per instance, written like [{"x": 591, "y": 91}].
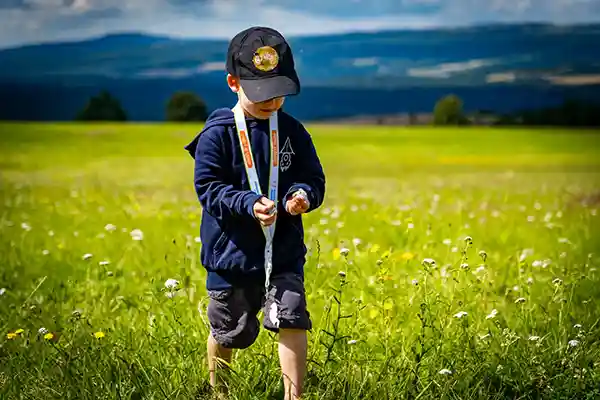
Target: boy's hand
[
  {"x": 298, "y": 204},
  {"x": 265, "y": 211}
]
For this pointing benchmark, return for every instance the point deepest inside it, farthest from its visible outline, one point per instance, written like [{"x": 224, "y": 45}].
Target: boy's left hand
[{"x": 297, "y": 204}]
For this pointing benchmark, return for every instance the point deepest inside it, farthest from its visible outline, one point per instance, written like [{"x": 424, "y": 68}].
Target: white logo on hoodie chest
[{"x": 285, "y": 155}]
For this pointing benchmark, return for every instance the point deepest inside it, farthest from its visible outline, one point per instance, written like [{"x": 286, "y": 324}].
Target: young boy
[{"x": 256, "y": 172}]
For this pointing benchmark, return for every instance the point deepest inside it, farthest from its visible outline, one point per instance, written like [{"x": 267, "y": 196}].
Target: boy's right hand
[{"x": 263, "y": 211}]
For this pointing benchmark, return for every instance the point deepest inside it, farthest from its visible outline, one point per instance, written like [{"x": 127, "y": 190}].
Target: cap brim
[{"x": 258, "y": 90}]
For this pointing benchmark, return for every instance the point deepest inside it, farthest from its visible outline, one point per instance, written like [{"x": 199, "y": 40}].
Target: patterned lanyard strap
[{"x": 244, "y": 140}]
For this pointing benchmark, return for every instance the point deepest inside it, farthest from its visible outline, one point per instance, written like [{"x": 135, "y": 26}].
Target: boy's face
[{"x": 262, "y": 110}]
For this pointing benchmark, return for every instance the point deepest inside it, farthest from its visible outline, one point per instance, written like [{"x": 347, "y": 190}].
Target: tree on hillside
[
  {"x": 102, "y": 107},
  {"x": 186, "y": 106},
  {"x": 449, "y": 111}
]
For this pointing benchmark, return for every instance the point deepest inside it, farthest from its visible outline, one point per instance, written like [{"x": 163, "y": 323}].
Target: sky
[{"x": 36, "y": 21}]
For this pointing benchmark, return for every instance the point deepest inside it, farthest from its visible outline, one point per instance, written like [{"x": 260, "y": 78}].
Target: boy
[{"x": 256, "y": 172}]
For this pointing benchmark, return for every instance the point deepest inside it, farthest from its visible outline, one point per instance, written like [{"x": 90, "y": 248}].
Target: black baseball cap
[{"x": 262, "y": 59}]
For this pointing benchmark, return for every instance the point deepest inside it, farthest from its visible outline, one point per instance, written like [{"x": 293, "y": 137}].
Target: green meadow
[{"x": 457, "y": 263}]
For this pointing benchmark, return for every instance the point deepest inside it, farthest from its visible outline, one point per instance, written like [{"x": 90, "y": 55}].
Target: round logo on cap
[{"x": 265, "y": 58}]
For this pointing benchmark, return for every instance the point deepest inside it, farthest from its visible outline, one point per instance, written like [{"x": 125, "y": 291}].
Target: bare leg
[
  {"x": 215, "y": 350},
  {"x": 292, "y": 358}
]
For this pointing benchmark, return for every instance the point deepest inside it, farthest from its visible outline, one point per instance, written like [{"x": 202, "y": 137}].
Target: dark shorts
[{"x": 232, "y": 313}]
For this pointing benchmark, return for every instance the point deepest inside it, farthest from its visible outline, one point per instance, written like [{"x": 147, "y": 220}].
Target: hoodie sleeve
[
  {"x": 310, "y": 176},
  {"x": 217, "y": 197}
]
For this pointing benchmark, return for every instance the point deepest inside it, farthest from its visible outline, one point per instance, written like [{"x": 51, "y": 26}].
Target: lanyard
[{"x": 244, "y": 140}]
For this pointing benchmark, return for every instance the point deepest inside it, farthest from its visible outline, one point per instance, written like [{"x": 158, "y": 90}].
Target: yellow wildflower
[
  {"x": 408, "y": 255},
  {"x": 373, "y": 313},
  {"x": 19, "y": 331},
  {"x": 99, "y": 335},
  {"x": 11, "y": 335},
  {"x": 49, "y": 336},
  {"x": 336, "y": 254}
]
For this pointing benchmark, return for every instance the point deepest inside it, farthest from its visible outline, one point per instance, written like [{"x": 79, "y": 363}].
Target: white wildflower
[
  {"x": 353, "y": 341},
  {"x": 563, "y": 254},
  {"x": 516, "y": 288},
  {"x": 454, "y": 249},
  {"x": 537, "y": 206},
  {"x": 464, "y": 265},
  {"x": 530, "y": 218},
  {"x": 486, "y": 336},
  {"x": 50, "y": 233},
  {"x": 137, "y": 234},
  {"x": 340, "y": 225},
  {"x": 460, "y": 314},
  {"x": 479, "y": 269},
  {"x": 447, "y": 242},
  {"x": 42, "y": 331},
  {"x": 396, "y": 222},
  {"x": 342, "y": 274},
  {"x": 410, "y": 225},
  {"x": 197, "y": 239},
  {"x": 45, "y": 252},
  {"x": 495, "y": 213},
  {"x": 430, "y": 262},
  {"x": 445, "y": 372},
  {"x": 110, "y": 227},
  {"x": 557, "y": 281},
  {"x": 354, "y": 208},
  {"x": 577, "y": 326},
  {"x": 103, "y": 263},
  {"x": 520, "y": 300},
  {"x": 536, "y": 264},
  {"x": 170, "y": 295},
  {"x": 344, "y": 251},
  {"x": 524, "y": 254},
  {"x": 171, "y": 283},
  {"x": 86, "y": 256},
  {"x": 26, "y": 226},
  {"x": 574, "y": 343},
  {"x": 415, "y": 282},
  {"x": 492, "y": 314},
  {"x": 534, "y": 338},
  {"x": 323, "y": 221},
  {"x": 2, "y": 291},
  {"x": 564, "y": 240},
  {"x": 468, "y": 240},
  {"x": 530, "y": 281}
]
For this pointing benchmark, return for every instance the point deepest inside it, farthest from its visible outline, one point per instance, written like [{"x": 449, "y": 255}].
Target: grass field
[{"x": 444, "y": 264}]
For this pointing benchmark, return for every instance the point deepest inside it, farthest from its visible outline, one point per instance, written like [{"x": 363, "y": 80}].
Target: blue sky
[{"x": 32, "y": 21}]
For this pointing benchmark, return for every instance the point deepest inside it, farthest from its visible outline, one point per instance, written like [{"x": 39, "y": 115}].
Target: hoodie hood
[{"x": 221, "y": 116}]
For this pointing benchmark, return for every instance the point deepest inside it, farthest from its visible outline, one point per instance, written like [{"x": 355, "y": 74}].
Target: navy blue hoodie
[{"x": 232, "y": 239}]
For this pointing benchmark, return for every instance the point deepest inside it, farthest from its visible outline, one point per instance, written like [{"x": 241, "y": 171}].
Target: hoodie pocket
[{"x": 220, "y": 245}]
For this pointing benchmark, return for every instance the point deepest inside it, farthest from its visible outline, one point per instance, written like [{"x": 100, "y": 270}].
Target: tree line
[
  {"x": 449, "y": 110},
  {"x": 181, "y": 107}
]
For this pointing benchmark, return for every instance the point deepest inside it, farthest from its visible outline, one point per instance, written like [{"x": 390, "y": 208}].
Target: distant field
[{"x": 512, "y": 314}]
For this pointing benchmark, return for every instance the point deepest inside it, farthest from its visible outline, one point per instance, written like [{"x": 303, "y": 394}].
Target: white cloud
[
  {"x": 44, "y": 20},
  {"x": 446, "y": 70}
]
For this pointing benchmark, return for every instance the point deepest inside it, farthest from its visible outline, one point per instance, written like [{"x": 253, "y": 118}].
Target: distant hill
[{"x": 498, "y": 67}]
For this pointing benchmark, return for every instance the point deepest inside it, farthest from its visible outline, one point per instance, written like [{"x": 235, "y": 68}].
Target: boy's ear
[{"x": 233, "y": 83}]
